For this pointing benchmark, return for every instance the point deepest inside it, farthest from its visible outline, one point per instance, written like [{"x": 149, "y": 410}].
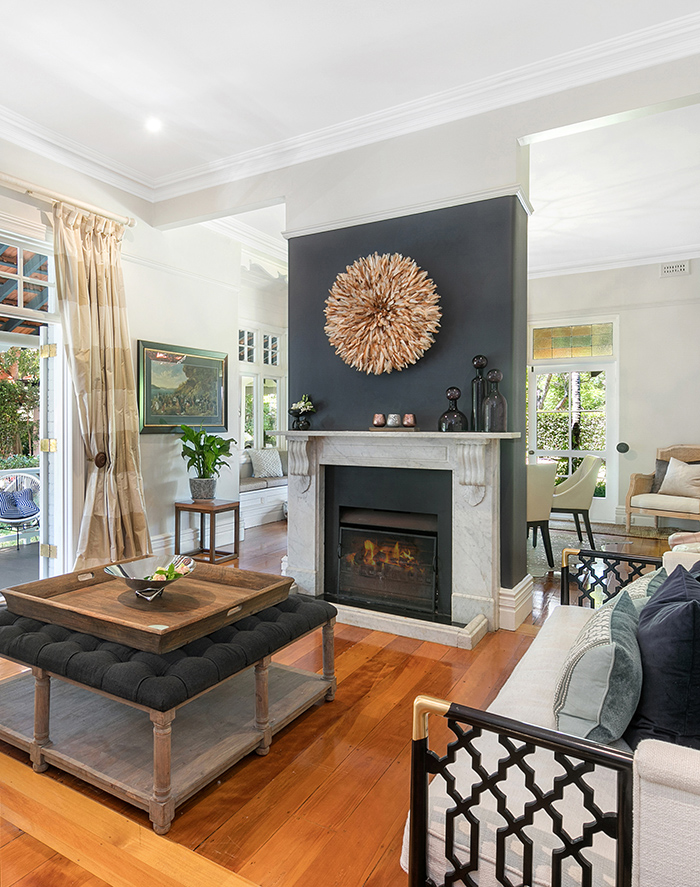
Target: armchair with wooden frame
[{"x": 644, "y": 496}]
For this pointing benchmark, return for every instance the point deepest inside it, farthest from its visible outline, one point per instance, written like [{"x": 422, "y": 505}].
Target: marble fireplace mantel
[{"x": 473, "y": 461}]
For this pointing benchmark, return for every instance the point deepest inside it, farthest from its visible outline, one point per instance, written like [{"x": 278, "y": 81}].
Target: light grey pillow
[
  {"x": 681, "y": 479},
  {"x": 266, "y": 463},
  {"x": 601, "y": 680}
]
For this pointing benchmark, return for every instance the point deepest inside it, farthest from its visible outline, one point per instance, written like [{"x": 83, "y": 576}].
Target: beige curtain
[{"x": 91, "y": 300}]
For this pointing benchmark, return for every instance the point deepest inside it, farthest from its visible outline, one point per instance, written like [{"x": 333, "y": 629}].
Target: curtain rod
[{"x": 20, "y": 185}]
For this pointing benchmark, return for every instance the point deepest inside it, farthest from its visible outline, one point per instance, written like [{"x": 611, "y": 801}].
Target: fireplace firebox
[{"x": 388, "y": 560}]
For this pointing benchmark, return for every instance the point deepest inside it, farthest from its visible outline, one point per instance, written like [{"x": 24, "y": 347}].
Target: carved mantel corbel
[
  {"x": 299, "y": 464},
  {"x": 471, "y": 470}
]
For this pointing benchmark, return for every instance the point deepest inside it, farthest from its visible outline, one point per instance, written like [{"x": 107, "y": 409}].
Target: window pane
[
  {"x": 8, "y": 259},
  {"x": 8, "y": 291},
  {"x": 36, "y": 266},
  {"x": 248, "y": 396},
  {"x": 36, "y": 297},
  {"x": 270, "y": 411},
  {"x": 585, "y": 340},
  {"x": 552, "y": 431},
  {"x": 553, "y": 391},
  {"x": 15, "y": 325},
  {"x": 592, "y": 435}
]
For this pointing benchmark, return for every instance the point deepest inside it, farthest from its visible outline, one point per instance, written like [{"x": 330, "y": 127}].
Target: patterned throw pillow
[
  {"x": 25, "y": 503},
  {"x": 601, "y": 680},
  {"x": 8, "y": 509},
  {"x": 266, "y": 463}
]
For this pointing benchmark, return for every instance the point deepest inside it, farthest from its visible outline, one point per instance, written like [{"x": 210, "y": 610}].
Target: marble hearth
[{"x": 478, "y": 603}]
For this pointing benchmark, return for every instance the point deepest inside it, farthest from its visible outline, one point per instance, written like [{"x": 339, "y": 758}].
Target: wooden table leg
[
  {"x": 42, "y": 708},
  {"x": 202, "y": 522},
  {"x": 162, "y": 807},
  {"x": 177, "y": 530},
  {"x": 212, "y": 538},
  {"x": 329, "y": 657},
  {"x": 262, "y": 711}
]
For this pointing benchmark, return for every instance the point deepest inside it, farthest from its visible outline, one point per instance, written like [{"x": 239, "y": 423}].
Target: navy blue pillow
[{"x": 669, "y": 643}]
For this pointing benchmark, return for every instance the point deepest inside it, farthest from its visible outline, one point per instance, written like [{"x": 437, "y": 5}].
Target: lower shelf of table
[{"x": 110, "y": 745}]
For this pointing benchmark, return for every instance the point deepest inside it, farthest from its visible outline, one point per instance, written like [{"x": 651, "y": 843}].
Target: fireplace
[
  {"x": 454, "y": 476},
  {"x": 387, "y": 561}
]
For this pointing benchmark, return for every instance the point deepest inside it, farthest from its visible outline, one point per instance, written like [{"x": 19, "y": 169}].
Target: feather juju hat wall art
[{"x": 382, "y": 313}]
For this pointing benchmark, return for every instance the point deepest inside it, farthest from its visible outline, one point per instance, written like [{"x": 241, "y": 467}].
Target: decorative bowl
[{"x": 141, "y": 575}]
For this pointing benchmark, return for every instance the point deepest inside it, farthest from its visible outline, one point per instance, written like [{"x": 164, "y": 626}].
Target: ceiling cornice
[
  {"x": 250, "y": 237},
  {"x": 640, "y": 49},
  {"x": 691, "y": 251}
]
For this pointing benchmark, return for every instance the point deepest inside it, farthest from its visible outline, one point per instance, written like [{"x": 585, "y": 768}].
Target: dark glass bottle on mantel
[
  {"x": 495, "y": 408},
  {"x": 478, "y": 393},
  {"x": 453, "y": 419}
]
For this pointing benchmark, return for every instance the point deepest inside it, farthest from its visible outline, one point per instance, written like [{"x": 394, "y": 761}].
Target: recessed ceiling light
[{"x": 153, "y": 124}]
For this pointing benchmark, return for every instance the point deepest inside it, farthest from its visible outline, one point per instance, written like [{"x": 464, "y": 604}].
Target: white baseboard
[
  {"x": 164, "y": 543},
  {"x": 515, "y": 604}
]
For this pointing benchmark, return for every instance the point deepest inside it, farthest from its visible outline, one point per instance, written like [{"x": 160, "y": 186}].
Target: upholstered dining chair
[
  {"x": 575, "y": 495},
  {"x": 19, "y": 507},
  {"x": 540, "y": 491}
]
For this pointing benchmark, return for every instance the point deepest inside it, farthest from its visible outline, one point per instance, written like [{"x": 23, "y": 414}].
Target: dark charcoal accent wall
[
  {"x": 392, "y": 489},
  {"x": 476, "y": 254}
]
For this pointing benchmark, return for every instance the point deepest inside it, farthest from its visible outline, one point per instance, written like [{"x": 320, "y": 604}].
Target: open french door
[{"x": 572, "y": 412}]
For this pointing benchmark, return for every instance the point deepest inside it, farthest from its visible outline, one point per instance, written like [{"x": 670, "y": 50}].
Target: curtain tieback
[{"x": 100, "y": 460}]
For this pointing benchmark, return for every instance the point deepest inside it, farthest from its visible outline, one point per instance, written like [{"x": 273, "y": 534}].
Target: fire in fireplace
[{"x": 388, "y": 560}]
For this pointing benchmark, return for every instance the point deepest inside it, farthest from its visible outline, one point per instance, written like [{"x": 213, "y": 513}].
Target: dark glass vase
[
  {"x": 495, "y": 408},
  {"x": 452, "y": 419},
  {"x": 478, "y": 393}
]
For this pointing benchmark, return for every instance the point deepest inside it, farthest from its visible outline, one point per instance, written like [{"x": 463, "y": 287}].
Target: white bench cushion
[{"x": 660, "y": 502}]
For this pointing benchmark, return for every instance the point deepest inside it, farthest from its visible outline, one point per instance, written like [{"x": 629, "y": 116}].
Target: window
[
  {"x": 26, "y": 281},
  {"x": 263, "y": 387},
  {"x": 246, "y": 346},
  {"x": 563, "y": 342},
  {"x": 270, "y": 350}
]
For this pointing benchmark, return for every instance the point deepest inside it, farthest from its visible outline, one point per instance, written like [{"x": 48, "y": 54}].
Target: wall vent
[{"x": 675, "y": 269}]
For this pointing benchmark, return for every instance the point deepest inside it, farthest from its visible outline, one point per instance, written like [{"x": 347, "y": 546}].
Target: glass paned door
[{"x": 572, "y": 412}]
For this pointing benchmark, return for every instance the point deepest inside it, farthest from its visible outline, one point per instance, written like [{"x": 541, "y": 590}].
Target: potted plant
[
  {"x": 205, "y": 453},
  {"x": 301, "y": 411}
]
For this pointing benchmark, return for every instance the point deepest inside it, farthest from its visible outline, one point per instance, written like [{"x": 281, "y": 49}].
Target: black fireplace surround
[{"x": 391, "y": 504}]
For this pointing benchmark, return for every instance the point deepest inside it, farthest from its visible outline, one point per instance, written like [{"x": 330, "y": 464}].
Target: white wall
[{"x": 659, "y": 359}]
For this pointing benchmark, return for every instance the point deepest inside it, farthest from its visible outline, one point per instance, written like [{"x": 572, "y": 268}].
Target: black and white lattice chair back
[{"x": 19, "y": 501}]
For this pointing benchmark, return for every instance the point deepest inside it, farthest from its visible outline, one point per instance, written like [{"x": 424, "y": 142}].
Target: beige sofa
[
  {"x": 644, "y": 496},
  {"x": 263, "y": 499},
  {"x": 666, "y": 782}
]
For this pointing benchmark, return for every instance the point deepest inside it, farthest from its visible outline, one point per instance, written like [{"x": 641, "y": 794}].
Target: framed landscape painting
[{"x": 181, "y": 386}]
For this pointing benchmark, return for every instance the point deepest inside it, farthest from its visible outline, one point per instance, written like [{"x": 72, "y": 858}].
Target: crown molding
[
  {"x": 640, "y": 49},
  {"x": 46, "y": 142},
  {"x": 413, "y": 209},
  {"x": 637, "y": 50},
  {"x": 692, "y": 251},
  {"x": 250, "y": 237}
]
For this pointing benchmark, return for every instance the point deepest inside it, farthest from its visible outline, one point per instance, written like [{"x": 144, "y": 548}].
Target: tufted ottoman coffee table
[{"x": 109, "y": 718}]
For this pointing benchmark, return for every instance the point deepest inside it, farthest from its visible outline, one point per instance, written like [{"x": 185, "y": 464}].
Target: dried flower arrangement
[{"x": 382, "y": 313}]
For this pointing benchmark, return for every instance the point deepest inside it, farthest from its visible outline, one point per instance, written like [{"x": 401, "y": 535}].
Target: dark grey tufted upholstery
[{"x": 160, "y": 681}]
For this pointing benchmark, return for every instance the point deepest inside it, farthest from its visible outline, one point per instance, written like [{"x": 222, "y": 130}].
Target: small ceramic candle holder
[
  {"x": 393, "y": 420},
  {"x": 409, "y": 420},
  {"x": 379, "y": 420}
]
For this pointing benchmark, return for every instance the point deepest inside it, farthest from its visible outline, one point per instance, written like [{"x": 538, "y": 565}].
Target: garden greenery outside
[
  {"x": 19, "y": 411},
  {"x": 571, "y": 418}
]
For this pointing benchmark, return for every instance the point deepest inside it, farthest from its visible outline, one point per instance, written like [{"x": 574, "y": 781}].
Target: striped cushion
[
  {"x": 25, "y": 503},
  {"x": 8, "y": 508}
]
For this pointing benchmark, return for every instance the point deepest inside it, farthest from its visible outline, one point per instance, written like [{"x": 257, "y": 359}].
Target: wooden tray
[{"x": 91, "y": 601}]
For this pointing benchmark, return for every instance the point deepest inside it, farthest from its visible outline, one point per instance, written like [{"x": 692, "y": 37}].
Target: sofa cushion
[
  {"x": 642, "y": 589},
  {"x": 601, "y": 680},
  {"x": 660, "y": 473},
  {"x": 681, "y": 479},
  {"x": 276, "y": 482},
  {"x": 250, "y": 484},
  {"x": 659, "y": 502},
  {"x": 669, "y": 642},
  {"x": 266, "y": 463}
]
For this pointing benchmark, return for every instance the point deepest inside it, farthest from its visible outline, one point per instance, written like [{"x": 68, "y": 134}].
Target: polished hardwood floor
[{"x": 326, "y": 807}]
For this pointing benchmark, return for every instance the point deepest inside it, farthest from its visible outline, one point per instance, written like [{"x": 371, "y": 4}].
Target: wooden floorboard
[{"x": 327, "y": 806}]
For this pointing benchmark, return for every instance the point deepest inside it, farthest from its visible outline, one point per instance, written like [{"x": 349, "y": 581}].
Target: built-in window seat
[{"x": 263, "y": 497}]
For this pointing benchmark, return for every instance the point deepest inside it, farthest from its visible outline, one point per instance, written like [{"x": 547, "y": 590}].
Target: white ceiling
[{"x": 240, "y": 87}]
